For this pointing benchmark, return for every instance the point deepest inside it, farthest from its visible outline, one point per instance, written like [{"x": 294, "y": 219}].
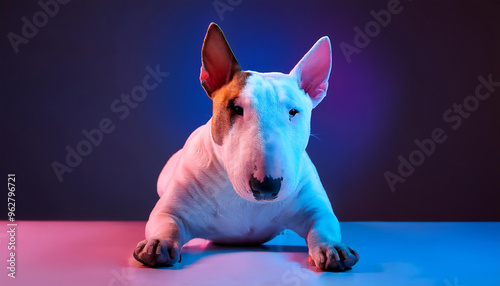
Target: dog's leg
[
  {"x": 326, "y": 250},
  {"x": 322, "y": 233},
  {"x": 314, "y": 220},
  {"x": 165, "y": 236}
]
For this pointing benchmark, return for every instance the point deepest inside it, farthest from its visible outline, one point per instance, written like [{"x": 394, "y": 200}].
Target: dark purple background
[{"x": 393, "y": 92}]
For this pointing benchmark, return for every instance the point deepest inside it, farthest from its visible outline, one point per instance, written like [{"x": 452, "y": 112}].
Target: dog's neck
[{"x": 210, "y": 154}]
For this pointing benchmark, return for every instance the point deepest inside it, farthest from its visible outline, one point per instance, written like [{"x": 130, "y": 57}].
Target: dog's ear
[
  {"x": 313, "y": 70},
  {"x": 218, "y": 61}
]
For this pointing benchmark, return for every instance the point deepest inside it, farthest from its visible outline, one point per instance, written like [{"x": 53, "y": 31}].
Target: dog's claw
[
  {"x": 338, "y": 257},
  {"x": 157, "y": 252}
]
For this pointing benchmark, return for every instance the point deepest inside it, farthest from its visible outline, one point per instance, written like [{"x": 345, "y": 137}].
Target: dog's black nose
[{"x": 267, "y": 190}]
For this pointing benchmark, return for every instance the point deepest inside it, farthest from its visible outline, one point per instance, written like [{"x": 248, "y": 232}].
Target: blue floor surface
[{"x": 392, "y": 253}]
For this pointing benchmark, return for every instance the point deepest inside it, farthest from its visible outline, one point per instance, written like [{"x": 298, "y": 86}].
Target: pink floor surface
[{"x": 99, "y": 253}]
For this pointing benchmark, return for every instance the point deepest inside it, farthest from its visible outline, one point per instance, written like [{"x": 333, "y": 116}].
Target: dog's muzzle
[{"x": 266, "y": 190}]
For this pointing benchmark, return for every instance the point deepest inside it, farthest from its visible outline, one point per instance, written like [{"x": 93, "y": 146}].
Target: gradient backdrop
[{"x": 394, "y": 90}]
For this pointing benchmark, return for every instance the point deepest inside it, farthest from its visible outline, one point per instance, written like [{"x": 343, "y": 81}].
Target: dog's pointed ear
[
  {"x": 218, "y": 61},
  {"x": 313, "y": 70}
]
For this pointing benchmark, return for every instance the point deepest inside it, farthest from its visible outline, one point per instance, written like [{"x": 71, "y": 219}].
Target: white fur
[
  {"x": 204, "y": 188},
  {"x": 207, "y": 185}
]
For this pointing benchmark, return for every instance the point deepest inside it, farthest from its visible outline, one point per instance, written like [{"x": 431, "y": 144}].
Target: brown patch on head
[{"x": 223, "y": 116}]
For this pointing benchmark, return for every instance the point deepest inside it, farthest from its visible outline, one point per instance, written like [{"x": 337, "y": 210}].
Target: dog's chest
[{"x": 237, "y": 221}]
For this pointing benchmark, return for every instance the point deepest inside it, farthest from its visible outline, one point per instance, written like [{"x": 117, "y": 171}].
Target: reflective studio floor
[{"x": 392, "y": 253}]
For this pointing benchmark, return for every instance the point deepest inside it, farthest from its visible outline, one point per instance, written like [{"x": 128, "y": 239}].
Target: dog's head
[{"x": 261, "y": 121}]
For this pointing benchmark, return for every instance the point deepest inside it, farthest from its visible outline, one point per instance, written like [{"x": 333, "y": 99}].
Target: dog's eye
[
  {"x": 238, "y": 110},
  {"x": 292, "y": 113},
  {"x": 235, "y": 108}
]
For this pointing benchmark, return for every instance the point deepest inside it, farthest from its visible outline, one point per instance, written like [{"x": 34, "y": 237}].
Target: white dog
[{"x": 245, "y": 176}]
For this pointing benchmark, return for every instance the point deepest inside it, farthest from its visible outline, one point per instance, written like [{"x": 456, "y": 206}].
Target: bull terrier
[{"x": 245, "y": 176}]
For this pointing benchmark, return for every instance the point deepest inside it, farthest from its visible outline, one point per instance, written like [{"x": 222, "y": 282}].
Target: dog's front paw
[
  {"x": 156, "y": 252},
  {"x": 333, "y": 257}
]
